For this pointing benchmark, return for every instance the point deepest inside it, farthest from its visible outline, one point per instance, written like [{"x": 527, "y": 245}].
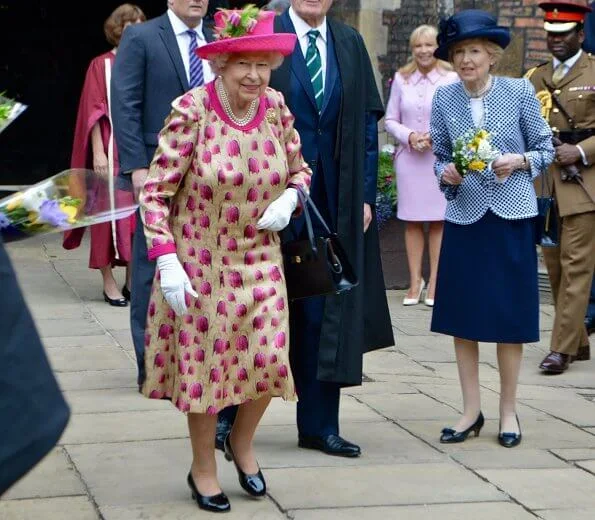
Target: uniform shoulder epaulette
[{"x": 530, "y": 72}]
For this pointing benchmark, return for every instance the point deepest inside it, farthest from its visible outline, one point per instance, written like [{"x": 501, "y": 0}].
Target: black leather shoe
[
  {"x": 215, "y": 504},
  {"x": 117, "y": 302},
  {"x": 555, "y": 363},
  {"x": 126, "y": 292},
  {"x": 450, "y": 436},
  {"x": 255, "y": 484},
  {"x": 510, "y": 440},
  {"x": 223, "y": 429},
  {"x": 331, "y": 445},
  {"x": 583, "y": 353}
]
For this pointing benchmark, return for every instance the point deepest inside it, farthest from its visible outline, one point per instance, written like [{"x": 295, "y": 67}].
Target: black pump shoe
[
  {"x": 215, "y": 504},
  {"x": 450, "y": 436},
  {"x": 510, "y": 440},
  {"x": 126, "y": 292},
  {"x": 254, "y": 485},
  {"x": 117, "y": 302}
]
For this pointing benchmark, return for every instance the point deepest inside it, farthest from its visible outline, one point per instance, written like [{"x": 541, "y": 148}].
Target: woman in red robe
[{"x": 94, "y": 148}]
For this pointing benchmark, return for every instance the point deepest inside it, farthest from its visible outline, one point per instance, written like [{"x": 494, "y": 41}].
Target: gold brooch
[{"x": 271, "y": 116}]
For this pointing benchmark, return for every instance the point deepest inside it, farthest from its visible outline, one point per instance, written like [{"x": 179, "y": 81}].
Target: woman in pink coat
[{"x": 408, "y": 120}]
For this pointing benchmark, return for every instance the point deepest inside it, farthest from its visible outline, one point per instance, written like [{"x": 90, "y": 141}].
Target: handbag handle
[{"x": 305, "y": 201}]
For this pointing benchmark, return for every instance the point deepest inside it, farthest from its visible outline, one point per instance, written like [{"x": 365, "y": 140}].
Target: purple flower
[
  {"x": 51, "y": 213},
  {"x": 4, "y": 222},
  {"x": 235, "y": 19}
]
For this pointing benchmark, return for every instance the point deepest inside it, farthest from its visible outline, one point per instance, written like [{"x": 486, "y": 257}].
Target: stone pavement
[{"x": 124, "y": 457}]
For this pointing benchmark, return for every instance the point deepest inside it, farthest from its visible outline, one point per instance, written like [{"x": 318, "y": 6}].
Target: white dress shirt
[
  {"x": 302, "y": 29},
  {"x": 568, "y": 64},
  {"x": 183, "y": 39}
]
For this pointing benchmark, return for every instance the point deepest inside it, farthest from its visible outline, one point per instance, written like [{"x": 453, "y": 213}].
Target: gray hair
[{"x": 219, "y": 61}]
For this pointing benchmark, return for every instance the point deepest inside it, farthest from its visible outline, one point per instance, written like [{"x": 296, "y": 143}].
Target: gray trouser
[{"x": 143, "y": 271}]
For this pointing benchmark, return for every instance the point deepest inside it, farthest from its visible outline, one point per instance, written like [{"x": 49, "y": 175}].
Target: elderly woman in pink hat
[{"x": 221, "y": 185}]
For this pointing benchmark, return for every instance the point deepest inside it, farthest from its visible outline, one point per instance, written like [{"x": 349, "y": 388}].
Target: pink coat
[{"x": 409, "y": 108}]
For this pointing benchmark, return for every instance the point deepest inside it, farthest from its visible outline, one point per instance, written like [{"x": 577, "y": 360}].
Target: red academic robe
[{"x": 110, "y": 244}]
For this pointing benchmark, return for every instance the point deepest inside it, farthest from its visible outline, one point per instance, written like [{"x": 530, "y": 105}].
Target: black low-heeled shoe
[
  {"x": 450, "y": 436},
  {"x": 215, "y": 503},
  {"x": 254, "y": 485},
  {"x": 509, "y": 439},
  {"x": 126, "y": 292},
  {"x": 115, "y": 302}
]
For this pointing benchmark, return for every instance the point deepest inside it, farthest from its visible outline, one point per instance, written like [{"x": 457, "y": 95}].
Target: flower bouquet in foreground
[
  {"x": 68, "y": 200},
  {"x": 9, "y": 111},
  {"x": 473, "y": 152}
]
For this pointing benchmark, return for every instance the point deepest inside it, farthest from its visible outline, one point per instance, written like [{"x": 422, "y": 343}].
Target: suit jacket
[
  {"x": 589, "y": 43},
  {"x": 148, "y": 75},
  {"x": 576, "y": 93},
  {"x": 341, "y": 142}
]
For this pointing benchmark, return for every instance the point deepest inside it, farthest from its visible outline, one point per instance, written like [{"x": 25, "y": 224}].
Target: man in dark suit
[
  {"x": 152, "y": 68},
  {"x": 329, "y": 86}
]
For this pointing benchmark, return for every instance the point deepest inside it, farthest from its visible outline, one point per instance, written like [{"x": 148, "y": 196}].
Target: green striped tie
[{"x": 314, "y": 65}]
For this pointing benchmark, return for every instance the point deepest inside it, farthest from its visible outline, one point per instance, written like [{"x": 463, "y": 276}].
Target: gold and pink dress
[{"x": 209, "y": 183}]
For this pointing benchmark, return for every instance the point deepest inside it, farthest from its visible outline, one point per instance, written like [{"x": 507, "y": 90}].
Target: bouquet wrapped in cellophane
[
  {"x": 68, "y": 200},
  {"x": 9, "y": 111},
  {"x": 473, "y": 152}
]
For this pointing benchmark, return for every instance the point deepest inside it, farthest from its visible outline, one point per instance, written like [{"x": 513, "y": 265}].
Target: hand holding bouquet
[{"x": 473, "y": 152}]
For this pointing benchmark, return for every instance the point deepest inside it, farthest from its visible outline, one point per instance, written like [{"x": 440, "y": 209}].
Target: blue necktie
[{"x": 196, "y": 73}]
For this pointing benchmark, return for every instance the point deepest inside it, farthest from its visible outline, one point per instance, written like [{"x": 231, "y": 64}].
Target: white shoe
[
  {"x": 415, "y": 301},
  {"x": 429, "y": 302}
]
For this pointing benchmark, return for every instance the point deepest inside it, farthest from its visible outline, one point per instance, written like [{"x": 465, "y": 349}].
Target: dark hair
[{"x": 114, "y": 25}]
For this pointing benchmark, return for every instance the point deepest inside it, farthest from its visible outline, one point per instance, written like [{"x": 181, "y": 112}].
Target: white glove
[
  {"x": 278, "y": 214},
  {"x": 174, "y": 282}
]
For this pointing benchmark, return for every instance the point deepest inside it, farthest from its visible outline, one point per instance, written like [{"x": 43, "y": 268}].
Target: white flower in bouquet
[
  {"x": 388, "y": 148},
  {"x": 486, "y": 151}
]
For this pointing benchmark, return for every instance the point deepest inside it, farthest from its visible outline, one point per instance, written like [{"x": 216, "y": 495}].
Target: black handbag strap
[{"x": 306, "y": 201}]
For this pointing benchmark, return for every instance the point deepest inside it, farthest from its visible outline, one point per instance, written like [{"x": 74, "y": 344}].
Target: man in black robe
[{"x": 329, "y": 86}]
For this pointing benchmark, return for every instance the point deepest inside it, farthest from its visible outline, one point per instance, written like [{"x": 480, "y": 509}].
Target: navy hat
[{"x": 468, "y": 24}]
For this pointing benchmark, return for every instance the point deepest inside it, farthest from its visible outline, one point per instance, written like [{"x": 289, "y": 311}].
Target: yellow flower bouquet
[
  {"x": 473, "y": 151},
  {"x": 68, "y": 200}
]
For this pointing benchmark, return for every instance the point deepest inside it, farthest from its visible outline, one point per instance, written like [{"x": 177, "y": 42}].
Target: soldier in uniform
[{"x": 566, "y": 88}]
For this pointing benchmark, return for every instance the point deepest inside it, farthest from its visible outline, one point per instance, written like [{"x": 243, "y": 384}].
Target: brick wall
[{"x": 525, "y": 19}]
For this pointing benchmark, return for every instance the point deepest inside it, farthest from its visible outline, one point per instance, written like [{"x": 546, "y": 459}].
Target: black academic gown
[
  {"x": 358, "y": 321},
  {"x": 33, "y": 413}
]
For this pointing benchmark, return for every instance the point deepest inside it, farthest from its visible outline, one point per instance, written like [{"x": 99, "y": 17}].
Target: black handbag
[
  {"x": 547, "y": 220},
  {"x": 316, "y": 266}
]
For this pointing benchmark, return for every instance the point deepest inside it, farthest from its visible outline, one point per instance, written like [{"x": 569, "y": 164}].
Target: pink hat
[{"x": 247, "y": 30}]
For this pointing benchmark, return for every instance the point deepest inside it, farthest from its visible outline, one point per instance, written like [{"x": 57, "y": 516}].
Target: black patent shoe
[
  {"x": 215, "y": 503},
  {"x": 126, "y": 292},
  {"x": 450, "y": 436},
  {"x": 255, "y": 484},
  {"x": 509, "y": 439},
  {"x": 223, "y": 429},
  {"x": 331, "y": 445},
  {"x": 115, "y": 302}
]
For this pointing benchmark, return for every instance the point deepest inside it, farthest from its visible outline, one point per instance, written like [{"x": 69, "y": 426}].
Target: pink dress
[
  {"x": 409, "y": 108},
  {"x": 209, "y": 183}
]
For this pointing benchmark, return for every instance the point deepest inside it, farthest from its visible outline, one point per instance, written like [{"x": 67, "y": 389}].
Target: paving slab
[
  {"x": 403, "y": 407},
  {"x": 482, "y": 511},
  {"x": 575, "y": 410},
  {"x": 568, "y": 488},
  {"x": 54, "y": 476},
  {"x": 86, "y": 326},
  {"x": 97, "y": 379},
  {"x": 388, "y": 361},
  {"x": 508, "y": 459},
  {"x": 381, "y": 443},
  {"x": 111, "y": 400},
  {"x": 55, "y": 508},
  {"x": 567, "y": 514},
  {"x": 242, "y": 508},
  {"x": 378, "y": 485},
  {"x": 573, "y": 454},
  {"x": 99, "y": 340},
  {"x": 588, "y": 465},
  {"x": 126, "y": 426},
  {"x": 73, "y": 359}
]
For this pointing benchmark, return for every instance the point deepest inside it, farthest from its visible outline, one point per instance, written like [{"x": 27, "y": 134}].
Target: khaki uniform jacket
[{"x": 576, "y": 93}]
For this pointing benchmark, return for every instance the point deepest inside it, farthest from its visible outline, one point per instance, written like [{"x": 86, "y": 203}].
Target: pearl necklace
[
  {"x": 227, "y": 107},
  {"x": 481, "y": 91}
]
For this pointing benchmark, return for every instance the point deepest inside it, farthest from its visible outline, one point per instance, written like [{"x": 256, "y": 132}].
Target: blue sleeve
[
  {"x": 371, "y": 159},
  {"x": 127, "y": 95}
]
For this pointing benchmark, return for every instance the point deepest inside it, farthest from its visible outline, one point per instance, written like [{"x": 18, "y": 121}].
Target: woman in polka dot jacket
[{"x": 487, "y": 278}]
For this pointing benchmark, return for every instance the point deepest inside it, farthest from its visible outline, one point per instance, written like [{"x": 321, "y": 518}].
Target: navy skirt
[{"x": 487, "y": 287}]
